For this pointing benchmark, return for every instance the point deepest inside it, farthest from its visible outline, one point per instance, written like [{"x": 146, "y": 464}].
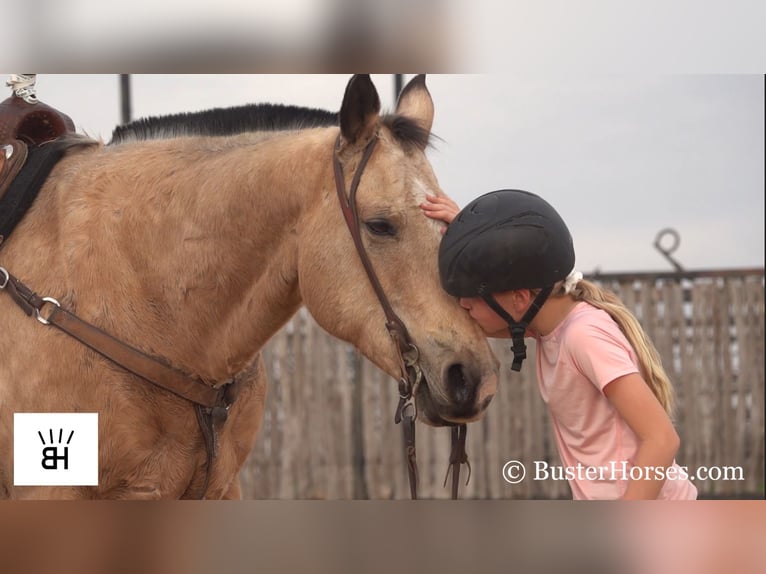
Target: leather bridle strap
[
  {"x": 407, "y": 352},
  {"x": 457, "y": 458},
  {"x": 211, "y": 404},
  {"x": 348, "y": 206}
]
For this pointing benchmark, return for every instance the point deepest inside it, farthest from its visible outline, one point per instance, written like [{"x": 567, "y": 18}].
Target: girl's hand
[
  {"x": 659, "y": 442},
  {"x": 441, "y": 208}
]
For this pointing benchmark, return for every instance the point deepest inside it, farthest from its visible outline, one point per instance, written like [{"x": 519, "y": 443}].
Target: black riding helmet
[{"x": 504, "y": 240}]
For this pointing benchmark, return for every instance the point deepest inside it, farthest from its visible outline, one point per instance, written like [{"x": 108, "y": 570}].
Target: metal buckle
[{"x": 39, "y": 317}]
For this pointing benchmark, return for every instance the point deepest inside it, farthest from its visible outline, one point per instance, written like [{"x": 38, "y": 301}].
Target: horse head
[{"x": 459, "y": 370}]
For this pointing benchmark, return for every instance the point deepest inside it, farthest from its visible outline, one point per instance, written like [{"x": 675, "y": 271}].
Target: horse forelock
[
  {"x": 225, "y": 121},
  {"x": 407, "y": 131}
]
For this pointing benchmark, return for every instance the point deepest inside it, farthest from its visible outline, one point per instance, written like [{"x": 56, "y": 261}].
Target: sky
[{"x": 620, "y": 156}]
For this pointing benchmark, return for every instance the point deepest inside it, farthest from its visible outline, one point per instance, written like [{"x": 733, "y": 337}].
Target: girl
[{"x": 508, "y": 256}]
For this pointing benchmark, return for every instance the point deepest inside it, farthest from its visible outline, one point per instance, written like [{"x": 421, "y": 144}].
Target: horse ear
[
  {"x": 415, "y": 102},
  {"x": 360, "y": 109}
]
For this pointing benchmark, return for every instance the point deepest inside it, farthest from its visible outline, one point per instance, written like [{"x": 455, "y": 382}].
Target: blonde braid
[{"x": 649, "y": 361}]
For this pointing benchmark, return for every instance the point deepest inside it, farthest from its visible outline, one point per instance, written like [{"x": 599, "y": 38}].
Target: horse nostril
[{"x": 461, "y": 385}]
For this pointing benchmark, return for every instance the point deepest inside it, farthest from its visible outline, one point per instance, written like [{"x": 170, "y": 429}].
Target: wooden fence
[{"x": 328, "y": 429}]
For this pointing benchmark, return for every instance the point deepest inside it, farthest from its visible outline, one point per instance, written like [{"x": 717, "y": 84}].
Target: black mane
[
  {"x": 225, "y": 121},
  {"x": 254, "y": 117}
]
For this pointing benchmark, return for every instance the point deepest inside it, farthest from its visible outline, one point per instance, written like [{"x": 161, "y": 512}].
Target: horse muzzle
[{"x": 463, "y": 396}]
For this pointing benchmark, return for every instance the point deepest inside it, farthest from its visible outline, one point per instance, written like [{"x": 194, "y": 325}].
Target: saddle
[{"x": 24, "y": 126}]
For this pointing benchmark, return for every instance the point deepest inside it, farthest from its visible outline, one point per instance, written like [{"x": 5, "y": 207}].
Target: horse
[{"x": 196, "y": 248}]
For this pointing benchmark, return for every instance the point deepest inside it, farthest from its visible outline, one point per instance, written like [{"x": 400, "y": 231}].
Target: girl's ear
[{"x": 521, "y": 298}]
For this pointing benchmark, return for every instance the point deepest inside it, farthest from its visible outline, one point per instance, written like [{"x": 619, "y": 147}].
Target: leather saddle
[{"x": 24, "y": 124}]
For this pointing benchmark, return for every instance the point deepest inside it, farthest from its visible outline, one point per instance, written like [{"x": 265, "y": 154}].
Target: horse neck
[
  {"x": 275, "y": 189},
  {"x": 221, "y": 244}
]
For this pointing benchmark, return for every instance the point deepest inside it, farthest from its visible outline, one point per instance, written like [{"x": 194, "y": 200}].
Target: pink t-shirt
[{"x": 575, "y": 362}]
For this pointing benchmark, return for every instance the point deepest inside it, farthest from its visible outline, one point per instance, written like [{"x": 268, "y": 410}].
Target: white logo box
[{"x": 55, "y": 449}]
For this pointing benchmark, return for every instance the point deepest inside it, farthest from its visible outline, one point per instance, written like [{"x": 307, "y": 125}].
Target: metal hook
[{"x": 666, "y": 251}]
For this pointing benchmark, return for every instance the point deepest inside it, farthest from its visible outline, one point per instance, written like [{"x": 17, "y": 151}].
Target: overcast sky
[{"x": 620, "y": 156}]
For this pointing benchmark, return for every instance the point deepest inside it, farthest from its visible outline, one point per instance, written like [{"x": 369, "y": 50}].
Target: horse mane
[
  {"x": 225, "y": 121},
  {"x": 254, "y": 117}
]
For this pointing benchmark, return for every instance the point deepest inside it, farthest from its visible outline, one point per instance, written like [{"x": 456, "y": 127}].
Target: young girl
[{"x": 508, "y": 256}]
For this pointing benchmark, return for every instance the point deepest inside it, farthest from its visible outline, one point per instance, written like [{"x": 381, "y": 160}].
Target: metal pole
[
  {"x": 398, "y": 85},
  {"x": 125, "y": 104}
]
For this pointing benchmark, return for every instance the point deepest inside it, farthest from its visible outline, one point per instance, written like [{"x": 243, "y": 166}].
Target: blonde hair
[{"x": 649, "y": 361}]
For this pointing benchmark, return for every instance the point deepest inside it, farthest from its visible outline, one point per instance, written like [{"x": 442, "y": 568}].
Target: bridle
[{"x": 408, "y": 354}]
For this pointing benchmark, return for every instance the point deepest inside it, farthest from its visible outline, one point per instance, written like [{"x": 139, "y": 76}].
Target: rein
[
  {"x": 411, "y": 375},
  {"x": 211, "y": 404}
]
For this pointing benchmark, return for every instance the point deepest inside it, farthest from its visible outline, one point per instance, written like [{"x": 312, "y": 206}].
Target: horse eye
[{"x": 380, "y": 227}]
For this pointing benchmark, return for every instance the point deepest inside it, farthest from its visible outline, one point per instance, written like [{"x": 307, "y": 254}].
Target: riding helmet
[{"x": 504, "y": 240}]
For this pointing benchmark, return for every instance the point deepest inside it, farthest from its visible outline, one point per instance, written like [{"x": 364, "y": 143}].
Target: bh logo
[
  {"x": 55, "y": 449},
  {"x": 51, "y": 456}
]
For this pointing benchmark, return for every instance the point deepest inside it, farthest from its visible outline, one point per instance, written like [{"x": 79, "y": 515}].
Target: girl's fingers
[
  {"x": 439, "y": 202},
  {"x": 438, "y": 199},
  {"x": 441, "y": 208},
  {"x": 436, "y": 211},
  {"x": 444, "y": 216}
]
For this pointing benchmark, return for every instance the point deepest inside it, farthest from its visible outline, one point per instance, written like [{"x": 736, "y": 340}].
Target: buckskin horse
[{"x": 191, "y": 251}]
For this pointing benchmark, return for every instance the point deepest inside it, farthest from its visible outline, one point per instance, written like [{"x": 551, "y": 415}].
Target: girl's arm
[{"x": 659, "y": 442}]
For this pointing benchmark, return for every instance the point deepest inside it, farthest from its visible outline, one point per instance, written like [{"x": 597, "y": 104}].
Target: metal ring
[
  {"x": 7, "y": 277},
  {"x": 39, "y": 317},
  {"x": 408, "y": 360},
  {"x": 409, "y": 406}
]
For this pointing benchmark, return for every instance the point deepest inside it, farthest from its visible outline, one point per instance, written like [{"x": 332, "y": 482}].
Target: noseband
[{"x": 411, "y": 374}]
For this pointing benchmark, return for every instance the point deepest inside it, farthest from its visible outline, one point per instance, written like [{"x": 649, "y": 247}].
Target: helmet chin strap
[{"x": 518, "y": 328}]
